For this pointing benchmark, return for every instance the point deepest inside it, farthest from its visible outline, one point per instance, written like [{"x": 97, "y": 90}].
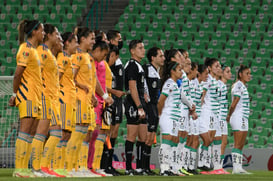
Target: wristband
[
  {"x": 105, "y": 96},
  {"x": 140, "y": 106},
  {"x": 13, "y": 94}
]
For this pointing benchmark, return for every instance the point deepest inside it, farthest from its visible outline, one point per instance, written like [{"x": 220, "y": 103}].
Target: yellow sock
[
  {"x": 28, "y": 154},
  {"x": 53, "y": 140},
  {"x": 57, "y": 155},
  {"x": 37, "y": 149},
  {"x": 61, "y": 164},
  {"x": 77, "y": 155},
  {"x": 98, "y": 153},
  {"x": 71, "y": 148},
  {"x": 21, "y": 150},
  {"x": 83, "y": 155}
]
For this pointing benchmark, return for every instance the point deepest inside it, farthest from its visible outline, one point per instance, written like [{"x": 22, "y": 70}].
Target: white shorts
[
  {"x": 204, "y": 121},
  {"x": 184, "y": 122},
  {"x": 168, "y": 125},
  {"x": 223, "y": 127},
  {"x": 238, "y": 123},
  {"x": 194, "y": 127}
]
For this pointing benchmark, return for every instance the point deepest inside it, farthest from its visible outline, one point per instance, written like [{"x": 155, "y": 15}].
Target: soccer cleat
[
  {"x": 20, "y": 173},
  {"x": 184, "y": 171},
  {"x": 88, "y": 173},
  {"x": 51, "y": 172},
  {"x": 130, "y": 172},
  {"x": 204, "y": 168},
  {"x": 148, "y": 172},
  {"x": 111, "y": 170},
  {"x": 168, "y": 173},
  {"x": 95, "y": 172},
  {"x": 194, "y": 172},
  {"x": 62, "y": 172},
  {"x": 240, "y": 171},
  {"x": 101, "y": 171},
  {"x": 224, "y": 171},
  {"x": 40, "y": 173},
  {"x": 216, "y": 172}
]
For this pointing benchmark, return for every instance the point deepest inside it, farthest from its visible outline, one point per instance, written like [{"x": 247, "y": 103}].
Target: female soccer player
[
  {"x": 83, "y": 81},
  {"x": 67, "y": 97},
  {"x": 50, "y": 105},
  {"x": 209, "y": 112},
  {"x": 226, "y": 75},
  {"x": 193, "y": 135},
  {"x": 27, "y": 90},
  {"x": 99, "y": 53},
  {"x": 169, "y": 106},
  {"x": 238, "y": 117}
]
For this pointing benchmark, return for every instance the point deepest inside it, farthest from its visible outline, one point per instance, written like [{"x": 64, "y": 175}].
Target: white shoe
[
  {"x": 101, "y": 171},
  {"x": 240, "y": 171},
  {"x": 75, "y": 173},
  {"x": 40, "y": 173},
  {"x": 88, "y": 173}
]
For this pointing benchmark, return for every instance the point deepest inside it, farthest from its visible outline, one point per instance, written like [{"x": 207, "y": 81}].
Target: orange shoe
[{"x": 50, "y": 172}]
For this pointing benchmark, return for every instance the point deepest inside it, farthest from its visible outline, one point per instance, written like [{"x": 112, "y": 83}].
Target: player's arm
[
  {"x": 135, "y": 97},
  {"x": 108, "y": 100},
  {"x": 232, "y": 107},
  {"x": 16, "y": 82},
  {"x": 203, "y": 96},
  {"x": 160, "y": 103},
  {"x": 115, "y": 92},
  {"x": 60, "y": 75},
  {"x": 81, "y": 86}
]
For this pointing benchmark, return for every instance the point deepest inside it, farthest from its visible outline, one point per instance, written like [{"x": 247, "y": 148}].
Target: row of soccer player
[
  {"x": 60, "y": 83},
  {"x": 65, "y": 100},
  {"x": 193, "y": 102}
]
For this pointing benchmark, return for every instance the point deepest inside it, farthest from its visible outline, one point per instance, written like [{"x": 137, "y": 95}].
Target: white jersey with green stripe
[
  {"x": 242, "y": 107},
  {"x": 197, "y": 90},
  {"x": 172, "y": 105},
  {"x": 223, "y": 101},
  {"x": 211, "y": 101},
  {"x": 186, "y": 89}
]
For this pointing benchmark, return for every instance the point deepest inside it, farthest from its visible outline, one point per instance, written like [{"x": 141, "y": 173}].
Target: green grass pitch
[{"x": 5, "y": 174}]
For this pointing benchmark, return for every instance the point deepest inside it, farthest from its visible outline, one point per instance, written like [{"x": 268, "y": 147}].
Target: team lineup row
[{"x": 69, "y": 88}]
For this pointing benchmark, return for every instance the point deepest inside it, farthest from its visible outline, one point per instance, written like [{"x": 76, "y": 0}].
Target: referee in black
[
  {"x": 135, "y": 104},
  {"x": 156, "y": 60}
]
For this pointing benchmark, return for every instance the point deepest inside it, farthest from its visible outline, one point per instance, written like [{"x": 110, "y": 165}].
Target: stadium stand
[{"x": 234, "y": 31}]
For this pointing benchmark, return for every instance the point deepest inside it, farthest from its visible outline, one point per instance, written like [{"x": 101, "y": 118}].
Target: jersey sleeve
[
  {"x": 238, "y": 90},
  {"x": 23, "y": 56},
  {"x": 132, "y": 71},
  {"x": 206, "y": 84},
  {"x": 167, "y": 89}
]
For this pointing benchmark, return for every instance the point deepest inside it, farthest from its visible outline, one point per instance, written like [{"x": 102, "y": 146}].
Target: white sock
[
  {"x": 186, "y": 156},
  {"x": 207, "y": 162},
  {"x": 164, "y": 156},
  {"x": 180, "y": 149},
  {"x": 192, "y": 160},
  {"x": 216, "y": 150}
]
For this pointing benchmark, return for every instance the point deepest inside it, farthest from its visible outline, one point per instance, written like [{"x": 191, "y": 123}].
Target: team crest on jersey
[
  {"x": 84, "y": 116},
  {"x": 35, "y": 109},
  {"x": 44, "y": 56},
  {"x": 120, "y": 72},
  {"x": 25, "y": 54},
  {"x": 64, "y": 63},
  {"x": 79, "y": 58},
  {"x": 154, "y": 84}
]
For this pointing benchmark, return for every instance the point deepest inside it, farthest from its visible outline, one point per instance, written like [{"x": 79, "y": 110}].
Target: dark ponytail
[
  {"x": 168, "y": 67},
  {"x": 241, "y": 69},
  {"x": 68, "y": 36},
  {"x": 26, "y": 28},
  {"x": 82, "y": 32}
]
